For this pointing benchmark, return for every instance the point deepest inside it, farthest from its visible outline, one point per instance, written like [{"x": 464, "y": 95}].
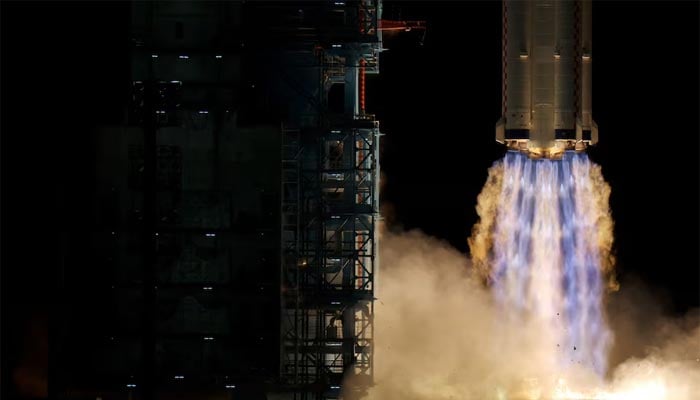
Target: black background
[{"x": 65, "y": 70}]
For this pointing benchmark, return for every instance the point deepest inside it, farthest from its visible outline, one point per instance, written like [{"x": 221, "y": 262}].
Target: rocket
[{"x": 546, "y": 84}]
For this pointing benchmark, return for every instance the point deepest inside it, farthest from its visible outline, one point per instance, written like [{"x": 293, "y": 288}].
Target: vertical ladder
[{"x": 289, "y": 256}]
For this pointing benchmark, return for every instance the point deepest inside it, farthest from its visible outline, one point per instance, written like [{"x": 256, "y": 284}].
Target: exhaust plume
[
  {"x": 551, "y": 238},
  {"x": 448, "y": 327}
]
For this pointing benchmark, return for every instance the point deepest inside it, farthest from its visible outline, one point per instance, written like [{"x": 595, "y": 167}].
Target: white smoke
[
  {"x": 440, "y": 336},
  {"x": 651, "y": 347},
  {"x": 439, "y": 333}
]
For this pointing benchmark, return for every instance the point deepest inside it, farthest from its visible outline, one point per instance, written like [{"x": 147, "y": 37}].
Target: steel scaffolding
[{"x": 329, "y": 213}]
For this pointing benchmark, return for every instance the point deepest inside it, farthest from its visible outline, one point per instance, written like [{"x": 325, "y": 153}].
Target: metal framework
[{"x": 329, "y": 213}]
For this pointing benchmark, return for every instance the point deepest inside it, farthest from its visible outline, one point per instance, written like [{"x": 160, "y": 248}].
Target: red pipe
[
  {"x": 362, "y": 85},
  {"x": 390, "y": 25}
]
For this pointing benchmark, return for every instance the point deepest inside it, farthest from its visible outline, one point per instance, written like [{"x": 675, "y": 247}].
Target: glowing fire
[{"x": 544, "y": 244}]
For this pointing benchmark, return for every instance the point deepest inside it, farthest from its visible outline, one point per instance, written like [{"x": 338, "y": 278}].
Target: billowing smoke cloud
[
  {"x": 437, "y": 331},
  {"x": 670, "y": 371},
  {"x": 651, "y": 347},
  {"x": 439, "y": 335},
  {"x": 524, "y": 319}
]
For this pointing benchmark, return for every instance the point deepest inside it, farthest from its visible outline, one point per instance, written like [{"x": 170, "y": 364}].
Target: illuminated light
[
  {"x": 335, "y": 387},
  {"x": 335, "y": 131},
  {"x": 210, "y": 234},
  {"x": 154, "y": 55},
  {"x": 339, "y": 3},
  {"x": 523, "y": 56},
  {"x": 586, "y": 57},
  {"x": 203, "y": 112},
  {"x": 179, "y": 377},
  {"x": 335, "y": 217},
  {"x": 208, "y": 338},
  {"x": 335, "y": 344},
  {"x": 335, "y": 302},
  {"x": 218, "y": 56},
  {"x": 230, "y": 386},
  {"x": 581, "y": 207},
  {"x": 335, "y": 46},
  {"x": 253, "y": 86},
  {"x": 160, "y": 112},
  {"x": 184, "y": 57},
  {"x": 207, "y": 288},
  {"x": 156, "y": 233},
  {"x": 113, "y": 233},
  {"x": 336, "y": 176},
  {"x": 131, "y": 385}
]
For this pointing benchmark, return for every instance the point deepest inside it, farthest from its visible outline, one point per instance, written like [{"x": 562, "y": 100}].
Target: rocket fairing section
[{"x": 546, "y": 77}]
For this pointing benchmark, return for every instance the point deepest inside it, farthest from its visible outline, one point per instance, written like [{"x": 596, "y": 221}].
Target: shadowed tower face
[{"x": 546, "y": 77}]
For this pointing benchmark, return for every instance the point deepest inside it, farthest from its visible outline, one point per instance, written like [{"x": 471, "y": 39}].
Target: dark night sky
[{"x": 65, "y": 69}]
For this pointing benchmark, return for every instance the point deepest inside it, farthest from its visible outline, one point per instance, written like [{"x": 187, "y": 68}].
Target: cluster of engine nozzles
[{"x": 555, "y": 152}]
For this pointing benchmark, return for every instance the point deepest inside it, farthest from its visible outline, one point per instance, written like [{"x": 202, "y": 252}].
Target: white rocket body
[{"x": 546, "y": 77}]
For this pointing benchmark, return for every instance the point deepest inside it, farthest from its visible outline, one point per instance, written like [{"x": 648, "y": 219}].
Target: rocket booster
[{"x": 546, "y": 77}]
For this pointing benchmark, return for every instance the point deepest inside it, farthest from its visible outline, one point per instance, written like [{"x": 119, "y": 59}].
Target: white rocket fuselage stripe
[{"x": 547, "y": 73}]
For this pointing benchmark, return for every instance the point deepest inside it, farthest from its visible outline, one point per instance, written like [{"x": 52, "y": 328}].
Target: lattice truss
[{"x": 329, "y": 212}]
